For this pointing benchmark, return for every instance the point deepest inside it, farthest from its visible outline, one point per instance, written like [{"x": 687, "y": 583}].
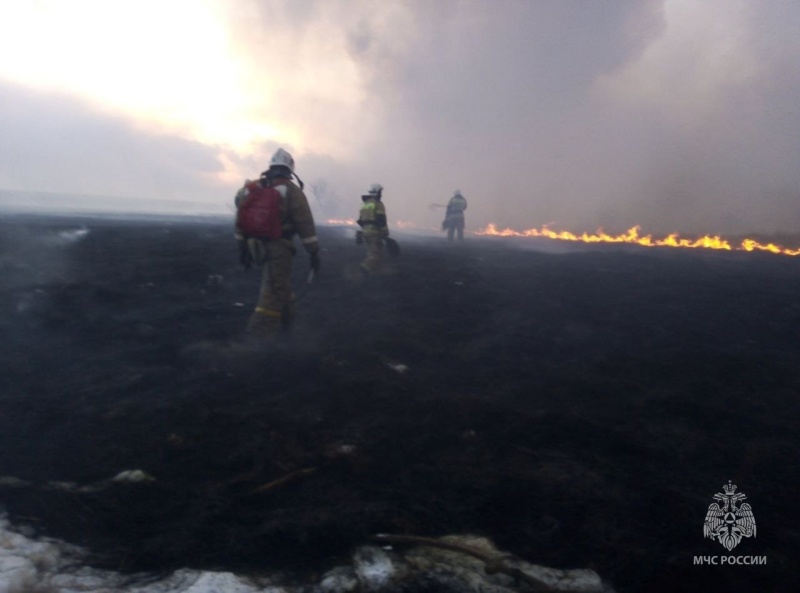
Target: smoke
[
  {"x": 675, "y": 115},
  {"x": 589, "y": 114},
  {"x": 672, "y": 115},
  {"x": 56, "y": 143},
  {"x": 482, "y": 100}
]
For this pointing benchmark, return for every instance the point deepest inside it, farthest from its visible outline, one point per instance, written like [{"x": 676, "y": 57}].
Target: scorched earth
[{"x": 578, "y": 405}]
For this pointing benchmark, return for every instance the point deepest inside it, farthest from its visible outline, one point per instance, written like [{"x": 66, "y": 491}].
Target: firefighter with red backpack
[{"x": 269, "y": 213}]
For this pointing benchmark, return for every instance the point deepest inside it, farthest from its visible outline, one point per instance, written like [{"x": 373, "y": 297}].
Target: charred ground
[{"x": 580, "y": 409}]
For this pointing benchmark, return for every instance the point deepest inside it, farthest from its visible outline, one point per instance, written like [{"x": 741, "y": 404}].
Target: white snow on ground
[
  {"x": 73, "y": 235},
  {"x": 38, "y": 564},
  {"x": 373, "y": 567},
  {"x": 31, "y": 564}
]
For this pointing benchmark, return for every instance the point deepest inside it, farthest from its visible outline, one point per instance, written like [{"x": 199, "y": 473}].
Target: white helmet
[
  {"x": 375, "y": 189},
  {"x": 282, "y": 158}
]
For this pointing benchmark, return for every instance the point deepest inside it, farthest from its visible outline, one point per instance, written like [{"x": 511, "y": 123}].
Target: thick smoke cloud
[
  {"x": 55, "y": 143},
  {"x": 590, "y": 114},
  {"x": 676, "y": 115},
  {"x": 483, "y": 97}
]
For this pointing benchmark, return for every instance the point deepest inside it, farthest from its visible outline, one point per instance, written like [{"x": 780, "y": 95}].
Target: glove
[
  {"x": 245, "y": 257},
  {"x": 314, "y": 260}
]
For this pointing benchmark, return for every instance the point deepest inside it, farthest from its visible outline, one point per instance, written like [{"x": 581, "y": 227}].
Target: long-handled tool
[{"x": 309, "y": 282}]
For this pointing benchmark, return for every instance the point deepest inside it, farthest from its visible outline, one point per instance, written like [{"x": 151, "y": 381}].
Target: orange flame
[{"x": 632, "y": 236}]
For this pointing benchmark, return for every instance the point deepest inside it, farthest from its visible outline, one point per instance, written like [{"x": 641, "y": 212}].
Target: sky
[{"x": 676, "y": 115}]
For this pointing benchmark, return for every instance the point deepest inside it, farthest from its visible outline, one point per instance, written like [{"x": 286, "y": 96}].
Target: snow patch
[
  {"x": 373, "y": 567},
  {"x": 74, "y": 234},
  {"x": 29, "y": 563}
]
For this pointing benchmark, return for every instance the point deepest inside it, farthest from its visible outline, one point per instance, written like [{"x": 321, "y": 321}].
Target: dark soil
[{"x": 580, "y": 409}]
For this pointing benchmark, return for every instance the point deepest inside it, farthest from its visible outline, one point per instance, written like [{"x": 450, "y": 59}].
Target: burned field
[{"x": 580, "y": 409}]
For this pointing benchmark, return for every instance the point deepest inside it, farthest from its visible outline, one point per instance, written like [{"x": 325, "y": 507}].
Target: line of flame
[{"x": 632, "y": 236}]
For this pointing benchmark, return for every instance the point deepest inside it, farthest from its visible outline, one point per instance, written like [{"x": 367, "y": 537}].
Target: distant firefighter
[
  {"x": 454, "y": 216},
  {"x": 374, "y": 229},
  {"x": 269, "y": 213}
]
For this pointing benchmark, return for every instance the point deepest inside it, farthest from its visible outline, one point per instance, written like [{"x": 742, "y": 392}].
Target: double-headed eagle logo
[{"x": 729, "y": 523}]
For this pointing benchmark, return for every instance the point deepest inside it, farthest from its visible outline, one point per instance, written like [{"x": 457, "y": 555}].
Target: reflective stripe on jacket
[{"x": 372, "y": 217}]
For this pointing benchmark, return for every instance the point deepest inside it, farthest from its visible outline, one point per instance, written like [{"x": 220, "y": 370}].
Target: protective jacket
[
  {"x": 295, "y": 214},
  {"x": 456, "y": 207},
  {"x": 372, "y": 216}
]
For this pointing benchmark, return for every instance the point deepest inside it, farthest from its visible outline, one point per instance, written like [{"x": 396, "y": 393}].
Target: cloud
[
  {"x": 56, "y": 143},
  {"x": 672, "y": 114},
  {"x": 479, "y": 96},
  {"x": 708, "y": 119}
]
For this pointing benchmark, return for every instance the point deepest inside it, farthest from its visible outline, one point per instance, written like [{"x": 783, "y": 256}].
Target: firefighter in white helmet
[
  {"x": 274, "y": 309},
  {"x": 374, "y": 229},
  {"x": 454, "y": 216}
]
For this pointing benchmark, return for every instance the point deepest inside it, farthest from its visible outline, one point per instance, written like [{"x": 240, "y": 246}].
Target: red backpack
[{"x": 258, "y": 214}]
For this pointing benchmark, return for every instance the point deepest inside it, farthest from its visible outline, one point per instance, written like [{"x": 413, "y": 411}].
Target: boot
[{"x": 264, "y": 324}]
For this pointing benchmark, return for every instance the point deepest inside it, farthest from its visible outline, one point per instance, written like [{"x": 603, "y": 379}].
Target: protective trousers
[
  {"x": 275, "y": 308},
  {"x": 374, "y": 244},
  {"x": 455, "y": 226}
]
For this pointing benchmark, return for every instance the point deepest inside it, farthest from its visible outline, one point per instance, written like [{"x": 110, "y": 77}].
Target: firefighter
[
  {"x": 372, "y": 220},
  {"x": 274, "y": 310},
  {"x": 454, "y": 216}
]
